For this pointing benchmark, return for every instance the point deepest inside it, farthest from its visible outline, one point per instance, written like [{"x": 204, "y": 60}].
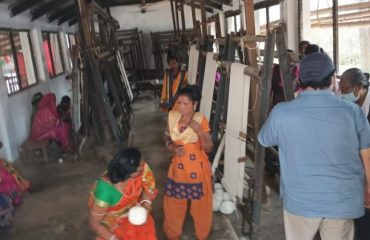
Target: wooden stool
[{"x": 32, "y": 145}]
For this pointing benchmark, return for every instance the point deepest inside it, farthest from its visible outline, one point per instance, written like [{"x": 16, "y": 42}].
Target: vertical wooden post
[
  {"x": 300, "y": 21},
  {"x": 335, "y": 34},
  {"x": 204, "y": 23},
  {"x": 218, "y": 25},
  {"x": 284, "y": 64},
  {"x": 182, "y": 16},
  {"x": 262, "y": 115},
  {"x": 177, "y": 18},
  {"x": 193, "y": 15},
  {"x": 267, "y": 19},
  {"x": 173, "y": 16}
]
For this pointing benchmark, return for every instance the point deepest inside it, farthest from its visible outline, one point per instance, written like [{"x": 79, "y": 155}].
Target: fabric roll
[
  {"x": 208, "y": 85},
  {"x": 193, "y": 65},
  {"x": 237, "y": 121}
]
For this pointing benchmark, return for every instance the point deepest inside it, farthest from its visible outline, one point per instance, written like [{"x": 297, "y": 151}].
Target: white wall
[
  {"x": 15, "y": 110},
  {"x": 154, "y": 21}
]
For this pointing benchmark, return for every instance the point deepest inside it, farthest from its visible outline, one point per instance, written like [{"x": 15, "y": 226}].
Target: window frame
[
  {"x": 60, "y": 51},
  {"x": 14, "y": 55}
]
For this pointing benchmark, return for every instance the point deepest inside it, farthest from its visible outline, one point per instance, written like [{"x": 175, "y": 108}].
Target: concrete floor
[{"x": 56, "y": 208}]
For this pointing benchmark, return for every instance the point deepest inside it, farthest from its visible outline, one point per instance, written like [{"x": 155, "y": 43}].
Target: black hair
[
  {"x": 304, "y": 42},
  {"x": 123, "y": 164},
  {"x": 66, "y": 100},
  {"x": 192, "y": 92},
  {"x": 171, "y": 57},
  {"x": 323, "y": 84},
  {"x": 355, "y": 77},
  {"x": 312, "y": 48}
]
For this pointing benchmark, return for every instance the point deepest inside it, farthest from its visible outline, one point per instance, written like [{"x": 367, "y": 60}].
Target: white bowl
[
  {"x": 219, "y": 191},
  {"x": 216, "y": 205},
  {"x": 226, "y": 196},
  {"x": 218, "y": 186},
  {"x": 137, "y": 215},
  {"x": 227, "y": 207},
  {"x": 218, "y": 196}
]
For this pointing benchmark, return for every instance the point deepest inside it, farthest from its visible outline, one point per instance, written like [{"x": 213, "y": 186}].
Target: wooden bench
[{"x": 31, "y": 145}]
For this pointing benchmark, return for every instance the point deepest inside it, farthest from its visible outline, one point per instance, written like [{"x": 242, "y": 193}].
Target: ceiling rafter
[{"x": 45, "y": 8}]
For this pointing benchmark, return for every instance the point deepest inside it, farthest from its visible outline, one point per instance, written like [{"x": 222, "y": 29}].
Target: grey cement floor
[{"x": 56, "y": 208}]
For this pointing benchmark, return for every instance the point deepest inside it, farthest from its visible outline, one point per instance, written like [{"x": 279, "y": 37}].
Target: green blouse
[{"x": 106, "y": 194}]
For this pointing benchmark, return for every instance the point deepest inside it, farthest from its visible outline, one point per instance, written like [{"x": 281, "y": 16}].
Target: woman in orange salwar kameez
[
  {"x": 127, "y": 183},
  {"x": 174, "y": 80},
  {"x": 189, "y": 175}
]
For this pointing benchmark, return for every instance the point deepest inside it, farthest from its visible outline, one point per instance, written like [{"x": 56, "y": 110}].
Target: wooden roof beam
[
  {"x": 67, "y": 17},
  {"x": 21, "y": 6},
  {"x": 266, "y": 3},
  {"x": 196, "y": 5},
  {"x": 113, "y": 3},
  {"x": 60, "y": 13},
  {"x": 72, "y": 22},
  {"x": 46, "y": 7},
  {"x": 212, "y": 4}
]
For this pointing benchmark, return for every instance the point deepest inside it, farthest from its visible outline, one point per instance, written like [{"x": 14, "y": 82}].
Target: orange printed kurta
[
  {"x": 174, "y": 88},
  {"x": 189, "y": 178}
]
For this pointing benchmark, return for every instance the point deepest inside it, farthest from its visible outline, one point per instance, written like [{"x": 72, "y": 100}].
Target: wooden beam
[
  {"x": 264, "y": 96},
  {"x": 22, "y": 6},
  {"x": 66, "y": 17},
  {"x": 266, "y": 3},
  {"x": 226, "y": 2},
  {"x": 46, "y": 7},
  {"x": 60, "y": 13},
  {"x": 208, "y": 9},
  {"x": 72, "y": 22},
  {"x": 177, "y": 17},
  {"x": 173, "y": 16},
  {"x": 193, "y": 15},
  {"x": 231, "y": 13},
  {"x": 204, "y": 20},
  {"x": 182, "y": 15},
  {"x": 113, "y": 3},
  {"x": 335, "y": 34},
  {"x": 210, "y": 4}
]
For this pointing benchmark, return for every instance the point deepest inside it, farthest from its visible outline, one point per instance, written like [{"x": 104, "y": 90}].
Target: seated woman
[
  {"x": 64, "y": 109},
  {"x": 12, "y": 186},
  {"x": 127, "y": 183},
  {"x": 46, "y": 123}
]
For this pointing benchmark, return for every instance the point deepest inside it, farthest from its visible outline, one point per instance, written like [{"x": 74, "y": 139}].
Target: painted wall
[
  {"x": 152, "y": 21},
  {"x": 15, "y": 110}
]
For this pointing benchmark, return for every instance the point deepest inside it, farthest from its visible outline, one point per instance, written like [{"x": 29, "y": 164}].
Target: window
[
  {"x": 321, "y": 32},
  {"x": 274, "y": 18},
  {"x": 353, "y": 32},
  {"x": 53, "y": 55},
  {"x": 16, "y": 59},
  {"x": 71, "y": 42},
  {"x": 353, "y": 35}
]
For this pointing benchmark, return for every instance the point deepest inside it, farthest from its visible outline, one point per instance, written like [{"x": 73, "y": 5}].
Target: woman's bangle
[{"x": 168, "y": 143}]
